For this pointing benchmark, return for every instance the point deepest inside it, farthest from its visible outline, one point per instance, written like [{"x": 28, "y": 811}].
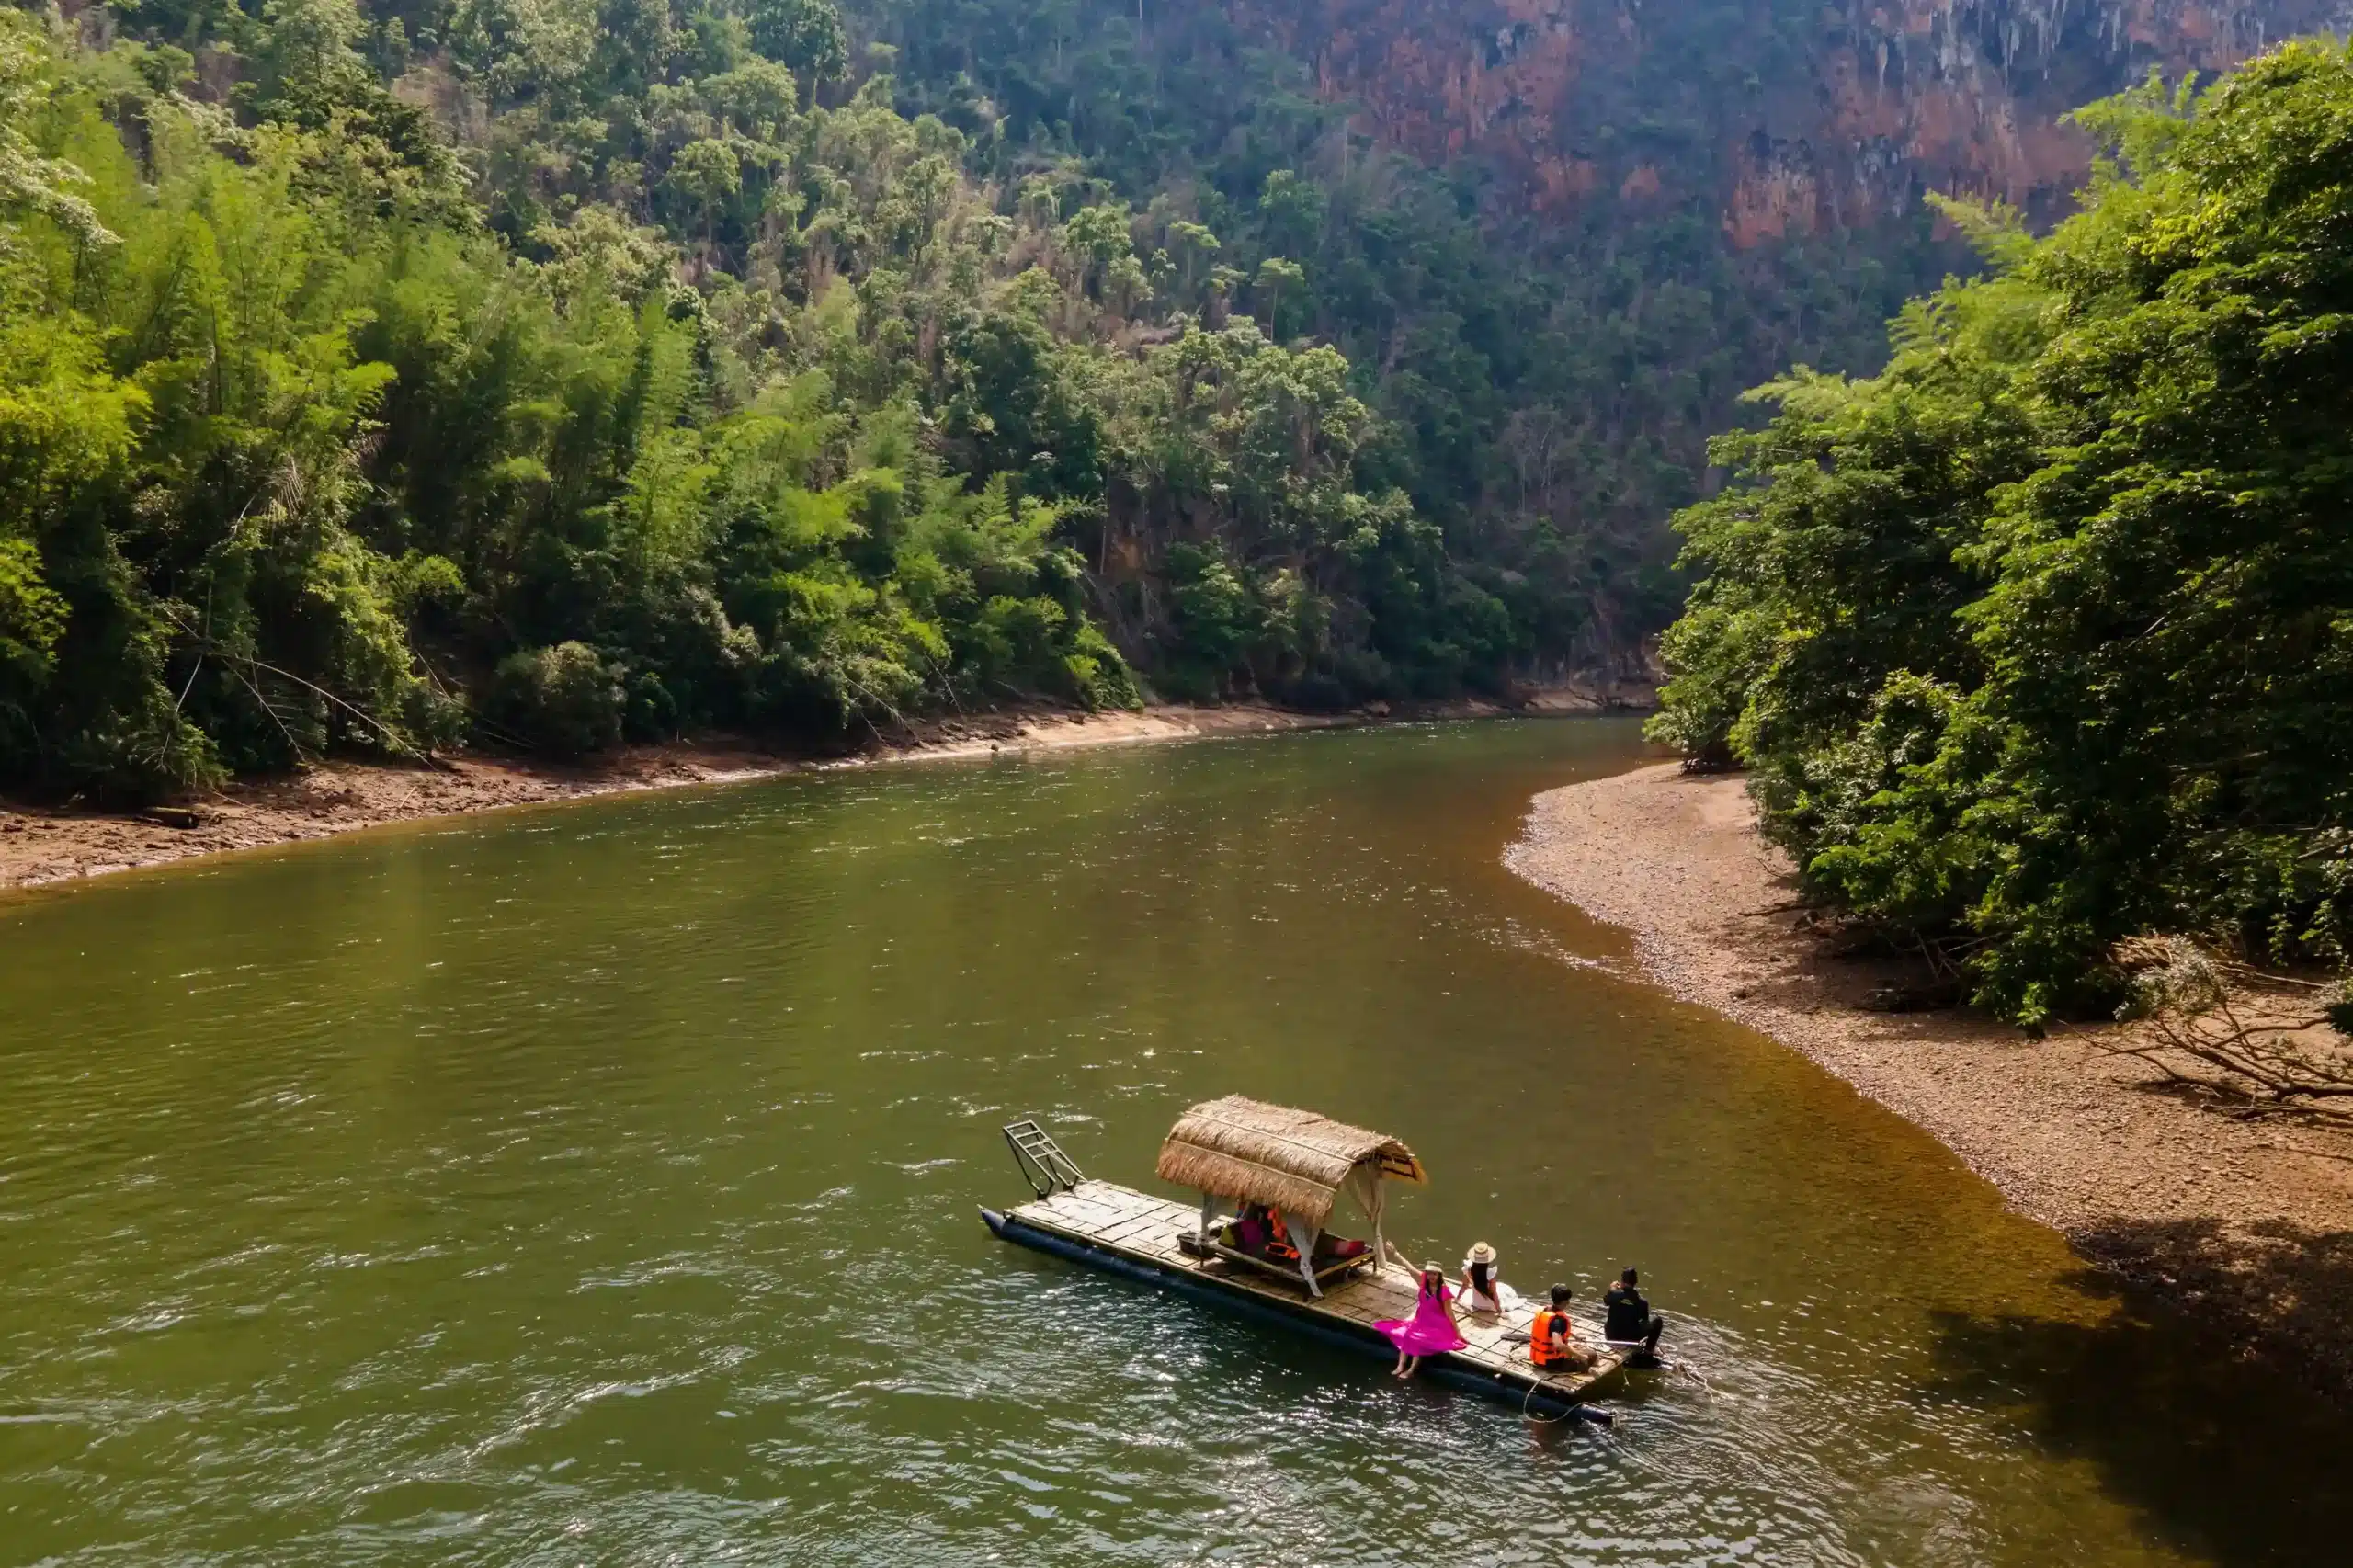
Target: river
[{"x": 599, "y": 1183}]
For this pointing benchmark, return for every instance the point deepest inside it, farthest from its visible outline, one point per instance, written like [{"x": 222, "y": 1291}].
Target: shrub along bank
[{"x": 2044, "y": 637}]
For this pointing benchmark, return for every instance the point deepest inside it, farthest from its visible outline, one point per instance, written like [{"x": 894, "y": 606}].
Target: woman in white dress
[{"x": 1482, "y": 1291}]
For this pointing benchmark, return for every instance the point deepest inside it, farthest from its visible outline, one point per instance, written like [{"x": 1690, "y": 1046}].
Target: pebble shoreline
[{"x": 2179, "y": 1194}]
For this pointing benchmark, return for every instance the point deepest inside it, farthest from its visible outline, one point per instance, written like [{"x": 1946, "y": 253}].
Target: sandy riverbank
[
  {"x": 2245, "y": 1217},
  {"x": 38, "y": 846},
  {"x": 41, "y": 846}
]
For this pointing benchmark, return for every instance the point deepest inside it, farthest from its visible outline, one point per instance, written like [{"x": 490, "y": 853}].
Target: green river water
[{"x": 598, "y": 1185}]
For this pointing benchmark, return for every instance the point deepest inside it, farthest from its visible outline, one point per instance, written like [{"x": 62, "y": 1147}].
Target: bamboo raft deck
[{"x": 1135, "y": 1233}]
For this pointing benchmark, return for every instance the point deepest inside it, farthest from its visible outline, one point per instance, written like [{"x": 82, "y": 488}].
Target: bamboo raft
[{"x": 1157, "y": 1242}]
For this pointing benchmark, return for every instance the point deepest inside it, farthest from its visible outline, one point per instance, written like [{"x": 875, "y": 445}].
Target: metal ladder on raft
[{"x": 1043, "y": 1164}]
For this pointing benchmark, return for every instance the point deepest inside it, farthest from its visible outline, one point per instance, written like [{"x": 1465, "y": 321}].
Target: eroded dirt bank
[
  {"x": 41, "y": 846},
  {"x": 2244, "y": 1215}
]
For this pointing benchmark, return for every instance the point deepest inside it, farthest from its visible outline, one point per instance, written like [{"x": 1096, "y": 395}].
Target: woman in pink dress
[{"x": 1432, "y": 1330}]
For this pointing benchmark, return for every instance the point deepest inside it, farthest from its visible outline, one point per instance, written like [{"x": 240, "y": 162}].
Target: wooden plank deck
[{"x": 1146, "y": 1229}]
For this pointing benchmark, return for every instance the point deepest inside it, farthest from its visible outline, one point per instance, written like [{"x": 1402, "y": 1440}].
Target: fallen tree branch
[
  {"x": 392, "y": 737},
  {"x": 2257, "y": 1034}
]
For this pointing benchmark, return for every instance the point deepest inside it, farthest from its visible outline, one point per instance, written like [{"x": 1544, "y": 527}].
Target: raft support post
[{"x": 1303, "y": 1232}]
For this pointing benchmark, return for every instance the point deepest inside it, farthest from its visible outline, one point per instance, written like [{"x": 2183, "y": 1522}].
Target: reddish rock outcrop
[{"x": 1789, "y": 119}]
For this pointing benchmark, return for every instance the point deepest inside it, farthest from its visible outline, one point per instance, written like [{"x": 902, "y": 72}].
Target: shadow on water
[{"x": 2226, "y": 1453}]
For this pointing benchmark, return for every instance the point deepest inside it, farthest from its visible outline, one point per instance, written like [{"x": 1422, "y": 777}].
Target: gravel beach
[
  {"x": 48, "y": 842},
  {"x": 45, "y": 845},
  {"x": 2244, "y": 1217}
]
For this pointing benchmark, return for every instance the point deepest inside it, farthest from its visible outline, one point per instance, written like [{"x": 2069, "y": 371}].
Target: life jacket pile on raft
[
  {"x": 1263, "y": 1234},
  {"x": 1279, "y": 1247}
]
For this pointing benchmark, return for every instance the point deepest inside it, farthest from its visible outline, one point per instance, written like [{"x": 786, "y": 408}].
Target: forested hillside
[
  {"x": 620, "y": 378},
  {"x": 1558, "y": 238},
  {"x": 1547, "y": 350},
  {"x": 556, "y": 372},
  {"x": 2043, "y": 638}
]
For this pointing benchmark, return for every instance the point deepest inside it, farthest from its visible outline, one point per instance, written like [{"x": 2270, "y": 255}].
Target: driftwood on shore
[{"x": 2207, "y": 1021}]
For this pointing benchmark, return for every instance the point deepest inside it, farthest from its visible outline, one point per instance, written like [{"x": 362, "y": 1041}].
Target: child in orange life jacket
[{"x": 1549, "y": 1338}]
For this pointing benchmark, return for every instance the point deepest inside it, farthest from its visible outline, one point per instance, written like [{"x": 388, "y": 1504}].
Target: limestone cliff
[{"x": 1788, "y": 117}]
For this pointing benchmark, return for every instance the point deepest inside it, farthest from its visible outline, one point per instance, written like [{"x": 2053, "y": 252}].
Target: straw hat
[
  {"x": 1433, "y": 1269},
  {"x": 1482, "y": 1253}
]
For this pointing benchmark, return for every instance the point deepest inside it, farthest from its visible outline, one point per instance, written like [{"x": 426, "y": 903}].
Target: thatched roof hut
[{"x": 1294, "y": 1160}]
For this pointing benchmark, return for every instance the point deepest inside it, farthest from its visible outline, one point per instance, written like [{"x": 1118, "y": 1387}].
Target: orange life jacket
[
  {"x": 1540, "y": 1348},
  {"x": 1279, "y": 1247}
]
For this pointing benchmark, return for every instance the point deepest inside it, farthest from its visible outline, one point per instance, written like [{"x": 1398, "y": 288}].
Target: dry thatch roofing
[{"x": 1294, "y": 1160}]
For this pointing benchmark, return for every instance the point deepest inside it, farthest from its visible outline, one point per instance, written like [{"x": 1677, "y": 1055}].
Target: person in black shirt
[{"x": 1629, "y": 1320}]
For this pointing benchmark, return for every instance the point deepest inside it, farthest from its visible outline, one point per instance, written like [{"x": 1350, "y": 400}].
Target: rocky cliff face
[{"x": 1784, "y": 116}]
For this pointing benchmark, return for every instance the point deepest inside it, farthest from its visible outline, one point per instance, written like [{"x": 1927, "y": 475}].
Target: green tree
[
  {"x": 1277, "y": 276},
  {"x": 2039, "y": 639},
  {"x": 709, "y": 177},
  {"x": 804, "y": 35}
]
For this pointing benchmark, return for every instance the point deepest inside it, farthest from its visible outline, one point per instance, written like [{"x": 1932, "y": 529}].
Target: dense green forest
[
  {"x": 554, "y": 373},
  {"x": 2043, "y": 637}
]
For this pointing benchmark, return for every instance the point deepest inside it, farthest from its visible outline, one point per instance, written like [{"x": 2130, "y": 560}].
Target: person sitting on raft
[
  {"x": 1261, "y": 1232},
  {"x": 1432, "y": 1329},
  {"x": 1630, "y": 1321},
  {"x": 1482, "y": 1292},
  {"x": 1251, "y": 1230},
  {"x": 1551, "y": 1337}
]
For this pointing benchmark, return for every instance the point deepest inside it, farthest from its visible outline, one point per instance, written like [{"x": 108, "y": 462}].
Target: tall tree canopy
[
  {"x": 2044, "y": 637},
  {"x": 567, "y": 371}
]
